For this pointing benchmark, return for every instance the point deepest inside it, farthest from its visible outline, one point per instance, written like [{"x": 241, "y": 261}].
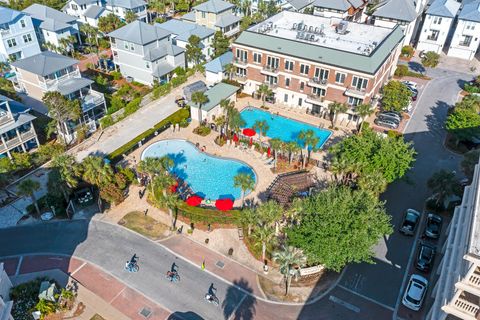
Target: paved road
[{"x": 382, "y": 281}]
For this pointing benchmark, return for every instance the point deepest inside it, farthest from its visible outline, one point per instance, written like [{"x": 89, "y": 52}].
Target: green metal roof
[
  {"x": 217, "y": 93},
  {"x": 315, "y": 53}
]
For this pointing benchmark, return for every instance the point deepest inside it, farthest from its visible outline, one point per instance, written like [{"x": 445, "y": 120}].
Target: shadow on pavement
[
  {"x": 189, "y": 315},
  {"x": 231, "y": 307}
]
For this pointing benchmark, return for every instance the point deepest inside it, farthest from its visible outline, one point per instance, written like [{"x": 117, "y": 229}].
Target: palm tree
[
  {"x": 230, "y": 70},
  {"x": 277, "y": 145},
  {"x": 227, "y": 106},
  {"x": 246, "y": 8},
  {"x": 130, "y": 16},
  {"x": 68, "y": 172},
  {"x": 335, "y": 108},
  {"x": 264, "y": 92},
  {"x": 236, "y": 121},
  {"x": 262, "y": 127},
  {"x": 155, "y": 166},
  {"x": 199, "y": 98},
  {"x": 161, "y": 181},
  {"x": 248, "y": 217},
  {"x": 290, "y": 259},
  {"x": 157, "y": 6},
  {"x": 444, "y": 184},
  {"x": 264, "y": 236},
  {"x": 373, "y": 182},
  {"x": 27, "y": 188},
  {"x": 245, "y": 182},
  {"x": 270, "y": 213},
  {"x": 291, "y": 147},
  {"x": 363, "y": 110},
  {"x": 310, "y": 139},
  {"x": 171, "y": 201},
  {"x": 96, "y": 172}
]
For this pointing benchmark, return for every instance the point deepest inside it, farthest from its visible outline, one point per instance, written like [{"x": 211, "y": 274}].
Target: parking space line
[
  {"x": 345, "y": 304},
  {"x": 366, "y": 298},
  {"x": 17, "y": 271}
]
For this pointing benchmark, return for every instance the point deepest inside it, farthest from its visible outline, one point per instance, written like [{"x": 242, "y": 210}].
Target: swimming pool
[
  {"x": 208, "y": 176},
  {"x": 281, "y": 127}
]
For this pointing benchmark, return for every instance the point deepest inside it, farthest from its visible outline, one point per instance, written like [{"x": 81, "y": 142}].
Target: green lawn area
[{"x": 145, "y": 225}]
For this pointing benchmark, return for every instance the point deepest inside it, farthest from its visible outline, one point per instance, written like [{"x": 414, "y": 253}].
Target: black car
[
  {"x": 433, "y": 226},
  {"x": 410, "y": 222},
  {"x": 425, "y": 257}
]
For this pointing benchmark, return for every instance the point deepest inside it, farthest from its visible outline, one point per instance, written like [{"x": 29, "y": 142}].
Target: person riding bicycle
[
  {"x": 210, "y": 297},
  {"x": 132, "y": 262},
  {"x": 171, "y": 275}
]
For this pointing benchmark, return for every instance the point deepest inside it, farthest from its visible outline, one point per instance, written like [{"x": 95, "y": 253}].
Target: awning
[{"x": 224, "y": 204}]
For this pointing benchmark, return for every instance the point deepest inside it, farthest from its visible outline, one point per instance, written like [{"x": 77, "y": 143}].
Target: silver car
[{"x": 415, "y": 292}]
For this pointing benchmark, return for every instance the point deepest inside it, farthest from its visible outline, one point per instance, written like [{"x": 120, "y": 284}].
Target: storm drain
[
  {"x": 220, "y": 264},
  {"x": 145, "y": 312}
]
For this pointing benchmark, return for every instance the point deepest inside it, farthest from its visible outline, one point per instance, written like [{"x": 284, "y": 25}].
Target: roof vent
[{"x": 341, "y": 28}]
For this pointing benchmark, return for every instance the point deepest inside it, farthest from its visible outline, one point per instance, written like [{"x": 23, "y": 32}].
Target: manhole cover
[
  {"x": 145, "y": 312},
  {"x": 220, "y": 264}
]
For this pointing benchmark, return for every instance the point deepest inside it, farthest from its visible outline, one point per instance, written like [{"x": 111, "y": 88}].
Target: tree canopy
[
  {"x": 396, "y": 96},
  {"x": 339, "y": 226},
  {"x": 109, "y": 23},
  {"x": 220, "y": 43},
  {"x": 193, "y": 50},
  {"x": 464, "y": 121}
]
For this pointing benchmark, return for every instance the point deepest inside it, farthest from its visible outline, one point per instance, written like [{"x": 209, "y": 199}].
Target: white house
[
  {"x": 345, "y": 9},
  {"x": 436, "y": 25},
  {"x": 297, "y": 5},
  {"x": 466, "y": 37},
  {"x": 17, "y": 35},
  {"x": 215, "y": 69},
  {"x": 86, "y": 11},
  {"x": 52, "y": 25},
  {"x": 121, "y": 7},
  {"x": 211, "y": 109},
  {"x": 5, "y": 302}
]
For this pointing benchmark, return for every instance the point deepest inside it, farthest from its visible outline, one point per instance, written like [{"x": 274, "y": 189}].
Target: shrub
[
  {"x": 220, "y": 140},
  {"x": 401, "y": 71},
  {"x": 106, "y": 121},
  {"x": 179, "y": 71},
  {"x": 22, "y": 160},
  {"x": 202, "y": 131},
  {"x": 116, "y": 103},
  {"x": 161, "y": 90},
  {"x": 407, "y": 51},
  {"x": 132, "y": 106},
  {"x": 178, "y": 81},
  {"x": 137, "y": 84},
  {"x": 101, "y": 81},
  {"x": 47, "y": 151},
  {"x": 431, "y": 59},
  {"x": 128, "y": 173},
  {"x": 471, "y": 88},
  {"x": 116, "y": 75}
]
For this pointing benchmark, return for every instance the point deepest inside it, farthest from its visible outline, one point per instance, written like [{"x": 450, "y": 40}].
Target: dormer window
[
  {"x": 22, "y": 23},
  {"x": 203, "y": 15}
]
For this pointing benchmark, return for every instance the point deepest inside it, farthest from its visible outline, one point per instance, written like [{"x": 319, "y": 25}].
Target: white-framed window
[
  {"x": 288, "y": 65},
  {"x": 302, "y": 85},
  {"x": 359, "y": 83},
  {"x": 321, "y": 74},
  {"x": 73, "y": 6},
  {"x": 319, "y": 92},
  {"x": 304, "y": 69},
  {"x": 203, "y": 15},
  {"x": 147, "y": 64},
  {"x": 469, "y": 25},
  {"x": 354, "y": 101},
  {"x": 287, "y": 82},
  {"x": 257, "y": 57},
  {"x": 437, "y": 20},
  {"x": 242, "y": 55},
  {"x": 340, "y": 77},
  {"x": 11, "y": 43},
  {"x": 273, "y": 62},
  {"x": 126, "y": 45},
  {"x": 466, "y": 41},
  {"x": 433, "y": 35},
  {"x": 27, "y": 38},
  {"x": 271, "y": 79},
  {"x": 22, "y": 23}
]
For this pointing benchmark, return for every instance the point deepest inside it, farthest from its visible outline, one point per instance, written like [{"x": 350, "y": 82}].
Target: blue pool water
[
  {"x": 283, "y": 128},
  {"x": 208, "y": 176}
]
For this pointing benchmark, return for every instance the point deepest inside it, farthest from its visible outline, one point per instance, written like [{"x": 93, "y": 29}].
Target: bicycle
[
  {"x": 172, "y": 276},
  {"x": 132, "y": 267},
  {"x": 212, "y": 299}
]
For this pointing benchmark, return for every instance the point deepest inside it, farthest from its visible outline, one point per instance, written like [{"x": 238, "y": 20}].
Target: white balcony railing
[
  {"x": 240, "y": 62},
  {"x": 5, "y": 32},
  {"x": 270, "y": 69},
  {"x": 317, "y": 82},
  {"x": 51, "y": 84},
  {"x": 91, "y": 100},
  {"x": 356, "y": 92},
  {"x": 466, "y": 307}
]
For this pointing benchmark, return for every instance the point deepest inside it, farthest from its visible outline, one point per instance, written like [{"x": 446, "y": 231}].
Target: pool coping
[
  {"x": 290, "y": 118},
  {"x": 210, "y": 155}
]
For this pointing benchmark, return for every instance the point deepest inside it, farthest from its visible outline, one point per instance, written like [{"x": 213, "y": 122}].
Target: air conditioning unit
[{"x": 341, "y": 28}]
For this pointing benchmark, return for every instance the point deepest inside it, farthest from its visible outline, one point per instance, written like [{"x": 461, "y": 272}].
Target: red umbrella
[
  {"x": 194, "y": 201},
  {"x": 224, "y": 204},
  {"x": 235, "y": 138},
  {"x": 251, "y": 141},
  {"x": 269, "y": 151},
  {"x": 173, "y": 187},
  {"x": 249, "y": 132}
]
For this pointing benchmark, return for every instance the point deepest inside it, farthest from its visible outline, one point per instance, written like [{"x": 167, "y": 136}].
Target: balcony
[
  {"x": 240, "y": 62},
  {"x": 356, "y": 92},
  {"x": 432, "y": 38},
  {"x": 315, "y": 99},
  {"x": 270, "y": 70},
  {"x": 5, "y": 119},
  {"x": 5, "y": 32},
  {"x": 240, "y": 78},
  {"x": 317, "y": 82},
  {"x": 462, "y": 308},
  {"x": 271, "y": 85},
  {"x": 91, "y": 100},
  {"x": 51, "y": 84}
]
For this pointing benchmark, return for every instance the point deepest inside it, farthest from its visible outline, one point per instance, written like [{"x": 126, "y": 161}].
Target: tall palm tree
[
  {"x": 248, "y": 218},
  {"x": 68, "y": 172},
  {"x": 199, "y": 98},
  {"x": 264, "y": 91},
  {"x": 264, "y": 236},
  {"x": 171, "y": 201},
  {"x": 246, "y": 7},
  {"x": 290, "y": 259},
  {"x": 277, "y": 145},
  {"x": 270, "y": 213},
  {"x": 157, "y": 6},
  {"x": 373, "y": 182},
  {"x": 227, "y": 106},
  {"x": 236, "y": 121},
  {"x": 27, "y": 188},
  {"x": 291, "y": 147},
  {"x": 309, "y": 139},
  {"x": 155, "y": 166},
  {"x": 161, "y": 182},
  {"x": 262, "y": 127},
  {"x": 245, "y": 182},
  {"x": 96, "y": 172},
  {"x": 363, "y": 110},
  {"x": 230, "y": 70},
  {"x": 444, "y": 183},
  {"x": 335, "y": 108}
]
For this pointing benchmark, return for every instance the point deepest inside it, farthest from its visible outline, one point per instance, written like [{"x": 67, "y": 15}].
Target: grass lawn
[
  {"x": 97, "y": 317},
  {"x": 145, "y": 225}
]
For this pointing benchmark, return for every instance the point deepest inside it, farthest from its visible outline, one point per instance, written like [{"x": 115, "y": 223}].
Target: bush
[
  {"x": 106, "y": 121},
  {"x": 116, "y": 75},
  {"x": 47, "y": 151},
  {"x": 431, "y": 59},
  {"x": 116, "y": 103},
  {"x": 101, "y": 81},
  {"x": 220, "y": 140},
  {"x": 22, "y": 160},
  {"x": 401, "y": 71},
  {"x": 471, "y": 88},
  {"x": 177, "y": 81},
  {"x": 202, "y": 131},
  {"x": 25, "y": 298},
  {"x": 161, "y": 90},
  {"x": 407, "y": 51},
  {"x": 179, "y": 71},
  {"x": 128, "y": 173},
  {"x": 132, "y": 106}
]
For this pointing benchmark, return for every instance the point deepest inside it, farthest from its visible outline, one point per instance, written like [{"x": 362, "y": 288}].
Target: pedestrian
[
  {"x": 203, "y": 264},
  {"x": 140, "y": 194},
  {"x": 146, "y": 210}
]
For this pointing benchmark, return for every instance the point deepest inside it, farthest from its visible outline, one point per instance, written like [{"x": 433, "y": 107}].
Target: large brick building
[{"x": 310, "y": 61}]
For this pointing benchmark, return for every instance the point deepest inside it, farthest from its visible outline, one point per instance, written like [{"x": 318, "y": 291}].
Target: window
[
  {"x": 287, "y": 82},
  {"x": 147, "y": 65},
  {"x": 271, "y": 79},
  {"x": 469, "y": 25},
  {"x": 321, "y": 74},
  {"x": 302, "y": 86},
  {"x": 300, "y": 102},
  {"x": 288, "y": 65},
  {"x": 354, "y": 101},
  {"x": 242, "y": 55},
  {"x": 11, "y": 43},
  {"x": 273, "y": 62},
  {"x": 433, "y": 35},
  {"x": 73, "y": 6},
  {"x": 204, "y": 15},
  {"x": 437, "y": 20},
  {"x": 83, "y": 6},
  {"x": 132, "y": 47},
  {"x": 466, "y": 41},
  {"x": 285, "y": 98},
  {"x": 125, "y": 45},
  {"x": 304, "y": 69},
  {"x": 319, "y": 92},
  {"x": 340, "y": 77},
  {"x": 257, "y": 57},
  {"x": 359, "y": 83},
  {"x": 22, "y": 23},
  {"x": 27, "y": 38}
]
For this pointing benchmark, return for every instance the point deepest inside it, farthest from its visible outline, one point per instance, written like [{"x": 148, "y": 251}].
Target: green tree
[
  {"x": 61, "y": 110},
  {"x": 248, "y": 218},
  {"x": 157, "y": 6},
  {"x": 276, "y": 145},
  {"x": 227, "y": 106},
  {"x": 199, "y": 98},
  {"x": 395, "y": 96},
  {"x": 220, "y": 44},
  {"x": 67, "y": 45},
  {"x": 245, "y": 182},
  {"x": 264, "y": 237},
  {"x": 363, "y": 110},
  {"x": 193, "y": 50},
  {"x": 157, "y": 167},
  {"x": 289, "y": 260},
  {"x": 22, "y": 160},
  {"x": 269, "y": 214},
  {"x": 264, "y": 92},
  {"x": 246, "y": 22},
  {"x": 431, "y": 59},
  {"x": 235, "y": 121},
  {"x": 443, "y": 185},
  {"x": 171, "y": 201},
  {"x": 310, "y": 140},
  {"x": 230, "y": 70},
  {"x": 292, "y": 147},
  {"x": 334, "y": 109},
  {"x": 95, "y": 171},
  {"x": 470, "y": 160},
  {"x": 262, "y": 127},
  {"x": 67, "y": 173},
  {"x": 46, "y": 307},
  {"x": 339, "y": 226},
  {"x": 28, "y": 188},
  {"x": 109, "y": 23},
  {"x": 130, "y": 16},
  {"x": 463, "y": 123}
]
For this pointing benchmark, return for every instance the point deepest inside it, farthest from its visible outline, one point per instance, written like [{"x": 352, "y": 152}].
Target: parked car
[
  {"x": 426, "y": 254},
  {"x": 433, "y": 226},
  {"x": 391, "y": 114},
  {"x": 410, "y": 84},
  {"x": 387, "y": 123},
  {"x": 414, "y": 94},
  {"x": 389, "y": 117},
  {"x": 410, "y": 222},
  {"x": 415, "y": 292},
  {"x": 409, "y": 107}
]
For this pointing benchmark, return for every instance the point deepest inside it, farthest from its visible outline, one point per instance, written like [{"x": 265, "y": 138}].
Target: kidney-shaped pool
[{"x": 208, "y": 176}]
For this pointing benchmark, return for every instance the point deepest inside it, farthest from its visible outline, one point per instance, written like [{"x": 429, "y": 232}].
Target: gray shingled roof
[
  {"x": 19, "y": 112},
  {"x": 7, "y": 15},
  {"x": 324, "y": 55},
  {"x": 444, "y": 8},
  {"x": 94, "y": 12},
  {"x": 51, "y": 19},
  {"x": 139, "y": 32},
  {"x": 214, "y": 6},
  {"x": 189, "y": 16},
  {"x": 184, "y": 29},
  {"x": 162, "y": 69},
  {"x": 226, "y": 20},
  {"x": 73, "y": 84},
  {"x": 341, "y": 5},
  {"x": 470, "y": 11},
  {"x": 218, "y": 64},
  {"x": 161, "y": 51},
  {"x": 44, "y": 63},
  {"x": 216, "y": 94},
  {"x": 80, "y": 2},
  {"x": 128, "y": 4},
  {"x": 403, "y": 10}
]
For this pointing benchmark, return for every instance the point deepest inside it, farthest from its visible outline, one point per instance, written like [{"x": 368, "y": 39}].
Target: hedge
[
  {"x": 177, "y": 117},
  {"x": 204, "y": 215}
]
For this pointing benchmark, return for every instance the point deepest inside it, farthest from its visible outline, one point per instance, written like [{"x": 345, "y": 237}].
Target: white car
[
  {"x": 415, "y": 292},
  {"x": 410, "y": 84}
]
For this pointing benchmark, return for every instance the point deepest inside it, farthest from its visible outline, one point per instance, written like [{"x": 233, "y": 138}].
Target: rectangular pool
[{"x": 283, "y": 128}]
